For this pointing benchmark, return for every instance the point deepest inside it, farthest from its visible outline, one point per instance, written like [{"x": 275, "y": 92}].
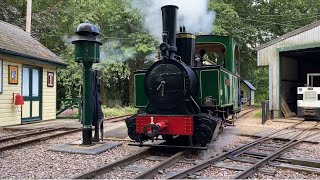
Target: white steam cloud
[
  {"x": 113, "y": 51},
  {"x": 193, "y": 14}
]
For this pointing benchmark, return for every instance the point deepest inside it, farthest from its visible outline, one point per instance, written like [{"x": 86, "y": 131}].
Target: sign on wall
[
  {"x": 50, "y": 79},
  {"x": 13, "y": 74}
]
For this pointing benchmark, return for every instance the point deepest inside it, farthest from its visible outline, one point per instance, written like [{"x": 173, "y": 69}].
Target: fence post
[{"x": 265, "y": 111}]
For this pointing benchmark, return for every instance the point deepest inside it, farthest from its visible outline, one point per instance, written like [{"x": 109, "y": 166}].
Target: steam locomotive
[{"x": 190, "y": 91}]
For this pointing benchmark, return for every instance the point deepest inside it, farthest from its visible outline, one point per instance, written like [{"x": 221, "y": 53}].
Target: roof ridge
[
  {"x": 14, "y": 40},
  {"x": 30, "y": 36},
  {"x": 288, "y": 35},
  {"x": 12, "y": 25}
]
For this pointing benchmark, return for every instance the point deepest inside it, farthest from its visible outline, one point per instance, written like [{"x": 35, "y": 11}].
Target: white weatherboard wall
[
  {"x": 9, "y": 113},
  {"x": 49, "y": 96},
  {"x": 269, "y": 56}
]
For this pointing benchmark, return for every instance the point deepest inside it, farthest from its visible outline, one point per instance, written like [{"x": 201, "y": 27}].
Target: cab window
[{"x": 211, "y": 54}]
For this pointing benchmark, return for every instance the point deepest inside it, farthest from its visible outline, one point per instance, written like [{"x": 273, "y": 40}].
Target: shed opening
[{"x": 294, "y": 67}]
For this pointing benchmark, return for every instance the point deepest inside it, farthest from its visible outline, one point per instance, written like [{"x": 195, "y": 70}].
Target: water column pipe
[{"x": 87, "y": 52}]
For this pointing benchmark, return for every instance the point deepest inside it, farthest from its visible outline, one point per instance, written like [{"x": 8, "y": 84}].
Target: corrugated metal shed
[{"x": 268, "y": 54}]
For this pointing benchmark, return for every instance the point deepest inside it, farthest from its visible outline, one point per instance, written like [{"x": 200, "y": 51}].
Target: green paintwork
[
  {"x": 298, "y": 47},
  {"x": 87, "y": 94},
  {"x": 212, "y": 78},
  {"x": 209, "y": 84},
  {"x": 227, "y": 95},
  {"x": 229, "y": 44},
  {"x": 87, "y": 51},
  {"x": 213, "y": 84},
  {"x": 225, "y": 90},
  {"x": 32, "y": 98},
  {"x": 140, "y": 98}
]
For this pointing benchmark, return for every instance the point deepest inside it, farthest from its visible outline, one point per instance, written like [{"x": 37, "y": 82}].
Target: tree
[{"x": 253, "y": 22}]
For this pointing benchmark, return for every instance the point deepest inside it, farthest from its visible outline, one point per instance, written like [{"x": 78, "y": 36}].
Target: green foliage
[
  {"x": 258, "y": 114},
  {"x": 250, "y": 22},
  {"x": 69, "y": 81},
  {"x": 253, "y": 22},
  {"x": 118, "y": 111},
  {"x": 115, "y": 77}
]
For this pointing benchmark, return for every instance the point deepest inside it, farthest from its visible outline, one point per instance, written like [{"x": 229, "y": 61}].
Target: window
[
  {"x": 1, "y": 75},
  {"x": 211, "y": 54},
  {"x": 35, "y": 82},
  {"x": 25, "y": 82}
]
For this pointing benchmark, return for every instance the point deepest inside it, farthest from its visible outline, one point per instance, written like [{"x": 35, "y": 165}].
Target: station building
[
  {"x": 27, "y": 69},
  {"x": 247, "y": 93},
  {"x": 290, "y": 58}
]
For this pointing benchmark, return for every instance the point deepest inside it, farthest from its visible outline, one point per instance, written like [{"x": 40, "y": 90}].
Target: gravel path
[
  {"x": 305, "y": 150},
  {"x": 37, "y": 161},
  {"x": 285, "y": 174},
  {"x": 216, "y": 173},
  {"x": 4, "y": 133}
]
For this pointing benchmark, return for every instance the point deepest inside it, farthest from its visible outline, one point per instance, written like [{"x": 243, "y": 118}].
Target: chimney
[{"x": 28, "y": 16}]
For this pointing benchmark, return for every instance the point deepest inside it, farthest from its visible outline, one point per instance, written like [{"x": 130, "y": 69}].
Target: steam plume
[{"x": 193, "y": 14}]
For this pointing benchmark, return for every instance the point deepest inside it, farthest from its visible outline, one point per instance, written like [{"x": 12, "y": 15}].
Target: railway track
[
  {"x": 243, "y": 113},
  {"x": 149, "y": 154},
  {"x": 247, "y": 111},
  {"x": 33, "y": 137},
  {"x": 117, "y": 118},
  {"x": 36, "y": 135},
  {"x": 256, "y": 161}
]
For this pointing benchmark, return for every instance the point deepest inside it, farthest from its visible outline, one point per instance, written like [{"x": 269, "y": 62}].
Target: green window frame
[{"x": 1, "y": 76}]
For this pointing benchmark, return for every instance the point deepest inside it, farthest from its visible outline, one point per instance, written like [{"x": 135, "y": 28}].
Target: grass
[
  {"x": 118, "y": 111},
  {"x": 258, "y": 114}
]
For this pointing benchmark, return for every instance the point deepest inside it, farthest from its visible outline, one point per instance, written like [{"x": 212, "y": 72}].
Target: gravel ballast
[{"x": 36, "y": 161}]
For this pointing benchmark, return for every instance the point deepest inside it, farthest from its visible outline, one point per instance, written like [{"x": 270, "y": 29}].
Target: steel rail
[
  {"x": 35, "y": 132},
  {"x": 245, "y": 112},
  {"x": 117, "y": 118},
  {"x": 226, "y": 155},
  {"x": 13, "y": 145},
  {"x": 108, "y": 167},
  {"x": 248, "y": 111},
  {"x": 252, "y": 169},
  {"x": 163, "y": 165},
  {"x": 28, "y": 133}
]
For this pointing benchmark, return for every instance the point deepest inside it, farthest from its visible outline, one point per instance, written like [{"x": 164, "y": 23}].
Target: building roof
[
  {"x": 249, "y": 85},
  {"x": 15, "y": 41},
  {"x": 288, "y": 35}
]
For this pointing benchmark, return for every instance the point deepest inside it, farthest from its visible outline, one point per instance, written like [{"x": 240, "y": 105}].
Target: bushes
[{"x": 118, "y": 111}]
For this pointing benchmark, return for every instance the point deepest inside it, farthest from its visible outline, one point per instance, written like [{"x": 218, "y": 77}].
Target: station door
[{"x": 32, "y": 94}]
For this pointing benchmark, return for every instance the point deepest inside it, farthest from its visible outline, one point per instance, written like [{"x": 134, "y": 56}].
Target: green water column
[{"x": 87, "y": 52}]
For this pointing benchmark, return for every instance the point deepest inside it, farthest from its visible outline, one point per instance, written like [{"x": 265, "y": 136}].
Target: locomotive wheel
[
  {"x": 204, "y": 134},
  {"x": 208, "y": 121},
  {"x": 132, "y": 133},
  {"x": 131, "y": 125}
]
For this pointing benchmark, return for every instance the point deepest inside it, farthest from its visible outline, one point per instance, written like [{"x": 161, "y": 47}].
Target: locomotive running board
[{"x": 170, "y": 146}]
